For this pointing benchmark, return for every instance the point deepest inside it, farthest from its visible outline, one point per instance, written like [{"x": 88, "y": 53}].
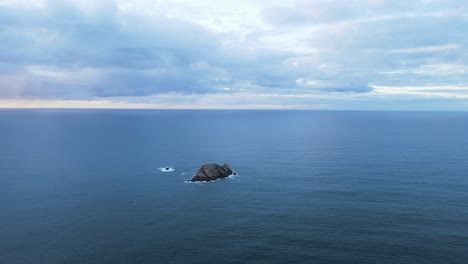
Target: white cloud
[
  {"x": 279, "y": 53},
  {"x": 454, "y": 92},
  {"x": 442, "y": 69},
  {"x": 440, "y": 48}
]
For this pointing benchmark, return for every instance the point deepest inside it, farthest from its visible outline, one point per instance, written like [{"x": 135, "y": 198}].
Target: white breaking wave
[
  {"x": 167, "y": 169},
  {"x": 233, "y": 176}
]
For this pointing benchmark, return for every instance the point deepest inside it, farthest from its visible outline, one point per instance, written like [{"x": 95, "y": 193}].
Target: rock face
[{"x": 211, "y": 172}]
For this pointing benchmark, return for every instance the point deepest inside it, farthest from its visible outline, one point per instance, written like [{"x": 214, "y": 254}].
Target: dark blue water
[{"x": 83, "y": 186}]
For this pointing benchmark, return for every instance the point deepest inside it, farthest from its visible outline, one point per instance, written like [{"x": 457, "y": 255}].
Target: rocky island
[{"x": 211, "y": 172}]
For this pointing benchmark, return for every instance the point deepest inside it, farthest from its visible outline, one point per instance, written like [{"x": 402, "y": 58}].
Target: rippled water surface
[{"x": 84, "y": 186}]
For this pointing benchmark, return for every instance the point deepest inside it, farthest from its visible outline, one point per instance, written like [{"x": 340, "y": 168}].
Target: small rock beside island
[{"x": 211, "y": 172}]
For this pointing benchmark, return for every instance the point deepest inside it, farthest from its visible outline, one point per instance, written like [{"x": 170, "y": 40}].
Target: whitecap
[
  {"x": 233, "y": 176},
  {"x": 167, "y": 169}
]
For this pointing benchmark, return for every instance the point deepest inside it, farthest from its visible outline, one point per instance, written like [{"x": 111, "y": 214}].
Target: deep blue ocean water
[{"x": 83, "y": 186}]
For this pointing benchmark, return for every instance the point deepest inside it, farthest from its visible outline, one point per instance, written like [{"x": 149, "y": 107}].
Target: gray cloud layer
[{"x": 61, "y": 50}]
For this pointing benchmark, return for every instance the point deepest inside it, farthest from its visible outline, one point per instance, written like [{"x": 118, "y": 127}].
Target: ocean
[{"x": 84, "y": 186}]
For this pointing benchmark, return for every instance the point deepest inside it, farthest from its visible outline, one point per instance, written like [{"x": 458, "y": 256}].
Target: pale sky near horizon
[{"x": 316, "y": 54}]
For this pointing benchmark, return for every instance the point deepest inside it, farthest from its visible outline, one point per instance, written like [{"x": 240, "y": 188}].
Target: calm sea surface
[{"x": 83, "y": 186}]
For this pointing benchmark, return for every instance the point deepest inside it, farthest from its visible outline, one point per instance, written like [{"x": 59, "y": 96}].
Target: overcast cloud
[{"x": 358, "y": 54}]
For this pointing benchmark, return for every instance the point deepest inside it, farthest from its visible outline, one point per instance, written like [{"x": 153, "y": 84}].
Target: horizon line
[{"x": 229, "y": 109}]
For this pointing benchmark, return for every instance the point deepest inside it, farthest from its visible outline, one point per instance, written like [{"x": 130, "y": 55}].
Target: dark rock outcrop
[{"x": 211, "y": 172}]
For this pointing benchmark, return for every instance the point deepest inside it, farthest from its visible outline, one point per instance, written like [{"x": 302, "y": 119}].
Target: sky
[{"x": 234, "y": 54}]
